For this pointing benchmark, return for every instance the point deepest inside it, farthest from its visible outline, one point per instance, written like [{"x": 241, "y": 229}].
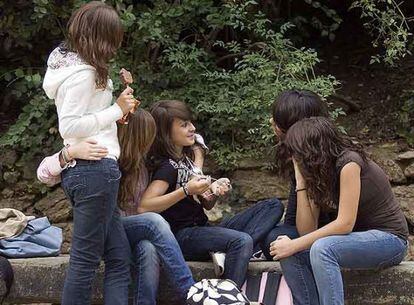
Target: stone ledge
[{"x": 41, "y": 280}]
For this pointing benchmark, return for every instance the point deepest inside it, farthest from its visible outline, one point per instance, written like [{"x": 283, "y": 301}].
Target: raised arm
[
  {"x": 350, "y": 189},
  {"x": 74, "y": 122},
  {"x": 307, "y": 213}
]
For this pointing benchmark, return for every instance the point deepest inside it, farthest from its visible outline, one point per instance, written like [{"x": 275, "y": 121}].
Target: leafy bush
[{"x": 226, "y": 59}]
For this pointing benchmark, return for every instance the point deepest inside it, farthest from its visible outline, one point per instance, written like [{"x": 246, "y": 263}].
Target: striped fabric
[{"x": 268, "y": 288}]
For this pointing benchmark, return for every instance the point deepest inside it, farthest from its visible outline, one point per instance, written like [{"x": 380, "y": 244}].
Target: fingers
[{"x": 128, "y": 91}]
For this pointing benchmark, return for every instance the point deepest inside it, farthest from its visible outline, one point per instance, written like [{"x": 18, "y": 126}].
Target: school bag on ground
[
  {"x": 217, "y": 292},
  {"x": 268, "y": 288}
]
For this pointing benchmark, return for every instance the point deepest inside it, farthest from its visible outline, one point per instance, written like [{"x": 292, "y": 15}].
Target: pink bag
[{"x": 268, "y": 288}]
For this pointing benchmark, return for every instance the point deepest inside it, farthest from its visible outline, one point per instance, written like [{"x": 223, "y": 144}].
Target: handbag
[
  {"x": 217, "y": 292},
  {"x": 268, "y": 288}
]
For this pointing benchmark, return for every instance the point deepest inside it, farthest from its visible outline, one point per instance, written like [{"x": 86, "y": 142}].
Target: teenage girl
[
  {"x": 370, "y": 230},
  {"x": 77, "y": 79},
  {"x": 176, "y": 192}
]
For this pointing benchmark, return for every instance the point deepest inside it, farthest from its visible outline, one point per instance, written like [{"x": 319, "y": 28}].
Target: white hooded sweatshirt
[{"x": 84, "y": 111}]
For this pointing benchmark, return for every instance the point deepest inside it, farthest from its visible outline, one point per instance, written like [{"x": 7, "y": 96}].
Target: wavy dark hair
[
  {"x": 289, "y": 107},
  {"x": 135, "y": 139},
  {"x": 316, "y": 144},
  {"x": 164, "y": 113},
  {"x": 95, "y": 32}
]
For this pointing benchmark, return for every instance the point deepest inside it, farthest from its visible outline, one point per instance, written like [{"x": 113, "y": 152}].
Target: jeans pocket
[
  {"x": 396, "y": 259},
  {"x": 74, "y": 187},
  {"x": 114, "y": 174}
]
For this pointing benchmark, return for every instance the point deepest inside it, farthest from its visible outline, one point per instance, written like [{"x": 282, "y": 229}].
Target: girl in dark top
[
  {"x": 290, "y": 106},
  {"x": 370, "y": 230},
  {"x": 177, "y": 191}
]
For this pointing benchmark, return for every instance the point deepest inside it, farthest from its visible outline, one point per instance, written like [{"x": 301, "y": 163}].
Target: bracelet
[
  {"x": 65, "y": 155},
  {"x": 185, "y": 189},
  {"x": 299, "y": 190}
]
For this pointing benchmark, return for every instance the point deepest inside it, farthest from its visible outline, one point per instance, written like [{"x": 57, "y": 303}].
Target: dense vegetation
[{"x": 227, "y": 59}]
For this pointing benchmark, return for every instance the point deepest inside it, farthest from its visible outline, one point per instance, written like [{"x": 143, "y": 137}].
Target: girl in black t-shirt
[{"x": 180, "y": 192}]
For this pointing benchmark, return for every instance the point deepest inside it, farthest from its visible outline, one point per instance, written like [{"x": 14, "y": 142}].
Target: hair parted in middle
[
  {"x": 316, "y": 144},
  {"x": 95, "y": 32},
  {"x": 135, "y": 139},
  {"x": 164, "y": 113}
]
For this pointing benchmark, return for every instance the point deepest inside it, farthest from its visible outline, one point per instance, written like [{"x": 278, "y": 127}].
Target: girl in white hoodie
[{"x": 77, "y": 79}]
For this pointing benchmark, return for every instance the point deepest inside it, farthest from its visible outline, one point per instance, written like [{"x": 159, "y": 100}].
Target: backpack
[
  {"x": 268, "y": 288},
  {"x": 216, "y": 292}
]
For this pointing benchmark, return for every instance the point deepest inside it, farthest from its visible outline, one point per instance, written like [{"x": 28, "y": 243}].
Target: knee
[
  {"x": 321, "y": 252},
  {"x": 145, "y": 250},
  {"x": 275, "y": 205},
  {"x": 244, "y": 243},
  {"x": 157, "y": 221}
]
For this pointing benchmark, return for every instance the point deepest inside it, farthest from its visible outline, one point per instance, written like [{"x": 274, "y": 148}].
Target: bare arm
[
  {"x": 307, "y": 213},
  {"x": 154, "y": 198},
  {"x": 350, "y": 189}
]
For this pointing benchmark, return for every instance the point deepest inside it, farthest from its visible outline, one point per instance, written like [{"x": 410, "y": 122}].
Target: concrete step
[{"x": 41, "y": 280}]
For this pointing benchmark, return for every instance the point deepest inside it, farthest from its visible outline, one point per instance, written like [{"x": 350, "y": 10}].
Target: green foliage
[
  {"x": 389, "y": 27},
  {"x": 225, "y": 59}
]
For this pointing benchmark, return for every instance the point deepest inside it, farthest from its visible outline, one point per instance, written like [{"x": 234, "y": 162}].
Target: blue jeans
[
  {"x": 314, "y": 275},
  {"x": 279, "y": 230},
  {"x": 92, "y": 187},
  {"x": 235, "y": 236},
  {"x": 154, "y": 244}
]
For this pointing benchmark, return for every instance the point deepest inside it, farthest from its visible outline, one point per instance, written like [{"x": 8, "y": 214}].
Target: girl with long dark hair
[
  {"x": 176, "y": 192},
  {"x": 152, "y": 242},
  {"x": 290, "y": 107},
  {"x": 370, "y": 230},
  {"x": 77, "y": 79}
]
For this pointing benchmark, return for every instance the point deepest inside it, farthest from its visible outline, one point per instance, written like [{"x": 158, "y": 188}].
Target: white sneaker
[{"x": 218, "y": 262}]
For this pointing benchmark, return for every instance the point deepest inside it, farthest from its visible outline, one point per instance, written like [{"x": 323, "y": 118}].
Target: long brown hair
[
  {"x": 95, "y": 32},
  {"x": 135, "y": 139},
  {"x": 316, "y": 144},
  {"x": 289, "y": 107},
  {"x": 164, "y": 113}
]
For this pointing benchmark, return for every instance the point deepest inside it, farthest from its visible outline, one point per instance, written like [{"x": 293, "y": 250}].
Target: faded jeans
[
  {"x": 92, "y": 187},
  {"x": 314, "y": 275},
  {"x": 154, "y": 245}
]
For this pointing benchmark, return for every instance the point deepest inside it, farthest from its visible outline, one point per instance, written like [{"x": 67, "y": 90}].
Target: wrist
[
  {"x": 185, "y": 189},
  {"x": 71, "y": 153}
]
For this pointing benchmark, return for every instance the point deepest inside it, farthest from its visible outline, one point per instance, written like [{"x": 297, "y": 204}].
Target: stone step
[{"x": 41, "y": 280}]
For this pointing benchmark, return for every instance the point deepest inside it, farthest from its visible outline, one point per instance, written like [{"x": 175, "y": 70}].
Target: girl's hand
[
  {"x": 126, "y": 100},
  {"x": 88, "y": 150},
  {"x": 282, "y": 247},
  {"x": 220, "y": 187},
  {"x": 198, "y": 185},
  {"x": 300, "y": 181}
]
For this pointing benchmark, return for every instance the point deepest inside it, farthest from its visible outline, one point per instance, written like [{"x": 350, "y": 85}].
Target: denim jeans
[
  {"x": 235, "y": 236},
  {"x": 314, "y": 275},
  {"x": 279, "y": 230},
  {"x": 154, "y": 244},
  {"x": 92, "y": 187}
]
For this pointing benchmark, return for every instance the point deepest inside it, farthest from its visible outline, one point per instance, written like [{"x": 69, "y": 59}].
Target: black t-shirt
[{"x": 188, "y": 212}]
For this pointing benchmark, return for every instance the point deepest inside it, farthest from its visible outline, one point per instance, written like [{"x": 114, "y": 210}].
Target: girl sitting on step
[
  {"x": 176, "y": 190},
  {"x": 149, "y": 235},
  {"x": 370, "y": 230}
]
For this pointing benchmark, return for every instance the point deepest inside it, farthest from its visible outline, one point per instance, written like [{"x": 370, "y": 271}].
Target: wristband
[
  {"x": 299, "y": 190},
  {"x": 185, "y": 189},
  {"x": 64, "y": 155}
]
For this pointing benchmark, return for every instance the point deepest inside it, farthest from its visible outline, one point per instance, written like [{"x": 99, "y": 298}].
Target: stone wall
[{"x": 252, "y": 181}]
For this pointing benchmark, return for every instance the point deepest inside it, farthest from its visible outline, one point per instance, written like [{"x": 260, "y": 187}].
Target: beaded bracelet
[{"x": 299, "y": 190}]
